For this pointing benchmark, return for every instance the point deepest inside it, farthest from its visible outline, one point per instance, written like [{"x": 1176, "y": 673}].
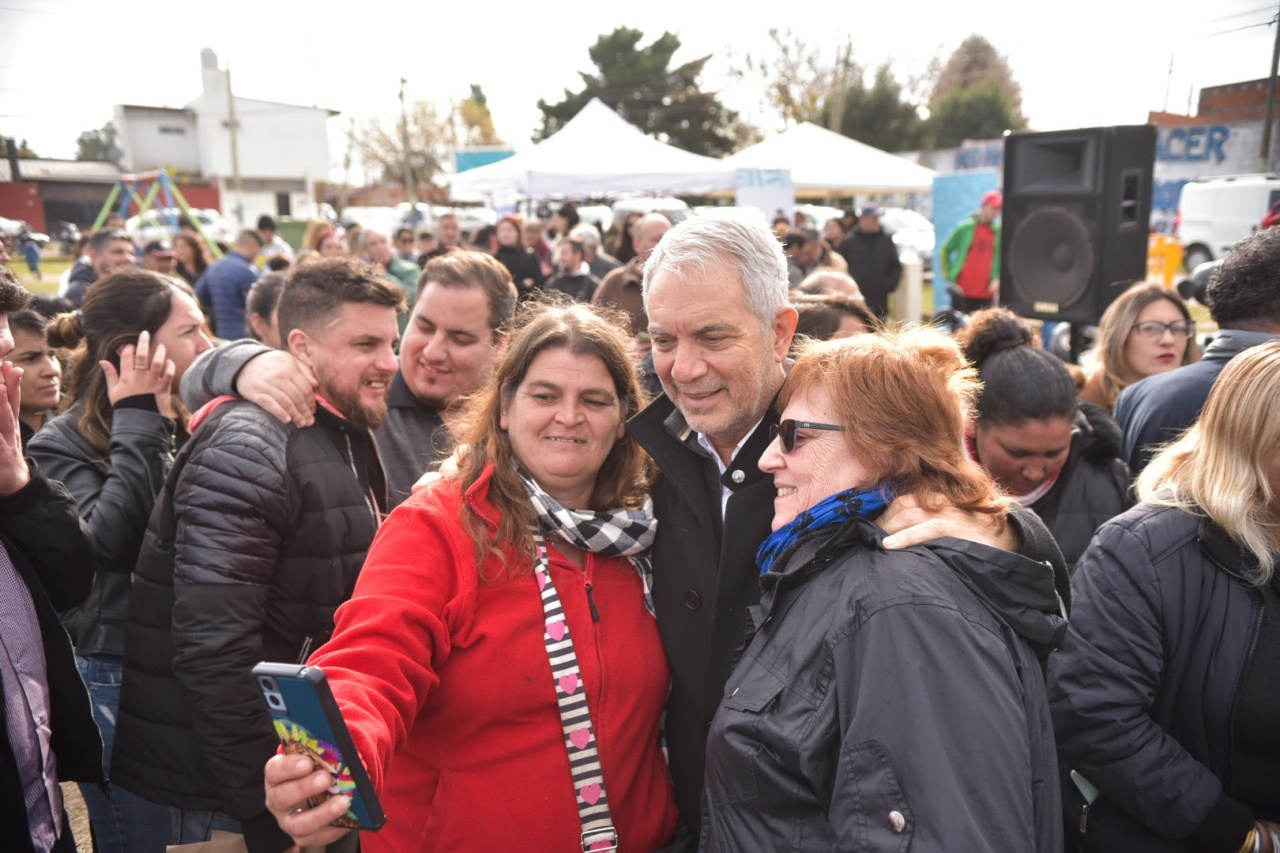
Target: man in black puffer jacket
[{"x": 256, "y": 538}]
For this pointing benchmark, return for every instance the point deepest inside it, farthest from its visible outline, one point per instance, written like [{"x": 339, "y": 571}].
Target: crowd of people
[{"x": 661, "y": 540}]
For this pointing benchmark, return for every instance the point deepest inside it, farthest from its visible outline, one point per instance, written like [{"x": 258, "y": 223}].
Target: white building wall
[{"x": 155, "y": 137}]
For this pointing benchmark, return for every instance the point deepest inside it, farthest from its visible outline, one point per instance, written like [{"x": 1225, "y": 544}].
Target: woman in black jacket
[
  {"x": 1165, "y": 693},
  {"x": 887, "y": 700},
  {"x": 1051, "y": 452},
  {"x": 112, "y": 448},
  {"x": 526, "y": 272}
]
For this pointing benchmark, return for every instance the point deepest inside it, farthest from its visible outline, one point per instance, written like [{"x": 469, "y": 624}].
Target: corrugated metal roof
[{"x": 74, "y": 171}]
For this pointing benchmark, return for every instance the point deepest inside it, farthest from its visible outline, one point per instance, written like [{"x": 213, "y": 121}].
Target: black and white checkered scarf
[{"x": 612, "y": 533}]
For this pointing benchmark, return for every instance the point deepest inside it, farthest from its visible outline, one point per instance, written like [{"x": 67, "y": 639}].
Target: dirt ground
[{"x": 79, "y": 816}]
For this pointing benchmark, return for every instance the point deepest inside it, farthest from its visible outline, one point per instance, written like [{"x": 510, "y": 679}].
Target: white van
[{"x": 1216, "y": 213}]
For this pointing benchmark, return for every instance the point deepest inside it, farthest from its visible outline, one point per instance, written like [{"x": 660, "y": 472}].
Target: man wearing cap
[
  {"x": 873, "y": 259},
  {"x": 971, "y": 255},
  {"x": 157, "y": 256}
]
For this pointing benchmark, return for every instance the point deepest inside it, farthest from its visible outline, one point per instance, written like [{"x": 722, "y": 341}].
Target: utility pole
[
  {"x": 410, "y": 191},
  {"x": 1264, "y": 156},
  {"x": 233, "y": 126},
  {"x": 345, "y": 195}
]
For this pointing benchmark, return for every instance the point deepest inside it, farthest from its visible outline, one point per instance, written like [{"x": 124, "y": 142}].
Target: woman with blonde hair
[
  {"x": 1166, "y": 689},
  {"x": 886, "y": 699},
  {"x": 1147, "y": 330}
]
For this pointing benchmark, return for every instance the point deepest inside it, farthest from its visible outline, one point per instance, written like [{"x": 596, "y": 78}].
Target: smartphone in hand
[{"x": 308, "y": 722}]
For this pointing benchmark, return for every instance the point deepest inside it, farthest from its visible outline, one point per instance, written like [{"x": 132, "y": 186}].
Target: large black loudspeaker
[{"x": 1077, "y": 204}]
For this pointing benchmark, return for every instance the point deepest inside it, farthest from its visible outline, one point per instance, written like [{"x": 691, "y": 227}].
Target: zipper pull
[
  {"x": 595, "y": 614},
  {"x": 1084, "y": 819}
]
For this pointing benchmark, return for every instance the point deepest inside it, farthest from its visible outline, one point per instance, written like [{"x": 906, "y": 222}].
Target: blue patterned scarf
[{"x": 836, "y": 509}]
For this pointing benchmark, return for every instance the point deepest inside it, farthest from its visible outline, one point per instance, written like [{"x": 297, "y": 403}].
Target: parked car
[
  {"x": 673, "y": 208},
  {"x": 912, "y": 233},
  {"x": 161, "y": 223},
  {"x": 1216, "y": 213}
]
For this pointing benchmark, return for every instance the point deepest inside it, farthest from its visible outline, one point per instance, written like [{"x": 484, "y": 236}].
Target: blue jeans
[
  {"x": 122, "y": 822},
  {"x": 188, "y": 826}
]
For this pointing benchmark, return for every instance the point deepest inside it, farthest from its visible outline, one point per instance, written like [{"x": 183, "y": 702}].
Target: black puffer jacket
[
  {"x": 890, "y": 700},
  {"x": 256, "y": 539},
  {"x": 1144, "y": 686},
  {"x": 1093, "y": 487},
  {"x": 114, "y": 496}
]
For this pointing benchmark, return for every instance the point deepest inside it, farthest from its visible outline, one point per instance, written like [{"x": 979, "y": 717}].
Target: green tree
[
  {"x": 99, "y": 145},
  {"x": 640, "y": 85},
  {"x": 974, "y": 96},
  {"x": 878, "y": 115},
  {"x": 980, "y": 111}
]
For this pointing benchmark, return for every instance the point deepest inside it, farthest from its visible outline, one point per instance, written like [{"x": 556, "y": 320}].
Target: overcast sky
[{"x": 65, "y": 63}]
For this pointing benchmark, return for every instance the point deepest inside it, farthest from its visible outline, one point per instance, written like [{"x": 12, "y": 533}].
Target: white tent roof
[
  {"x": 823, "y": 162},
  {"x": 596, "y": 153}
]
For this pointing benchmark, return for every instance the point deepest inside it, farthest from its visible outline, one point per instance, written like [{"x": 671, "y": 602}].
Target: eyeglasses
[
  {"x": 1154, "y": 330},
  {"x": 786, "y": 430}
]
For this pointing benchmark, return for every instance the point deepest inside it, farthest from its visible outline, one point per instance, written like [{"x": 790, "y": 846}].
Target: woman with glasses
[
  {"x": 1147, "y": 330},
  {"x": 886, "y": 700},
  {"x": 1050, "y": 451},
  {"x": 1165, "y": 692}
]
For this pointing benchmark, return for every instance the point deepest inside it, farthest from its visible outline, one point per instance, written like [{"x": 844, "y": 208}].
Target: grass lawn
[{"x": 51, "y": 269}]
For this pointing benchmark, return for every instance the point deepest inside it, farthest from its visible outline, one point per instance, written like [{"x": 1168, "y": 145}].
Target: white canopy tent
[
  {"x": 597, "y": 152},
  {"x": 825, "y": 163}
]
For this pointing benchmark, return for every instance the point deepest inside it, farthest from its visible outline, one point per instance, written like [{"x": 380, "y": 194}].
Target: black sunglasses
[{"x": 786, "y": 430}]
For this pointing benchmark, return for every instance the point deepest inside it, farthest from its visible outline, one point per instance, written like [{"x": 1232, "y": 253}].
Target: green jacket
[
  {"x": 405, "y": 274},
  {"x": 956, "y": 249}
]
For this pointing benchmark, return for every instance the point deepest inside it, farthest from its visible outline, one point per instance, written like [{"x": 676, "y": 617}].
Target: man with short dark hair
[
  {"x": 46, "y": 565},
  {"x": 1244, "y": 300},
  {"x": 109, "y": 250},
  {"x": 448, "y": 349},
  {"x": 223, "y": 288},
  {"x": 256, "y": 538},
  {"x": 564, "y": 219},
  {"x": 273, "y": 245},
  {"x": 574, "y": 276}
]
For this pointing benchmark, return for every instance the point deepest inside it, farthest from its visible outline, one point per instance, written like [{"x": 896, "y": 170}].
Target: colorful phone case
[{"x": 308, "y": 722}]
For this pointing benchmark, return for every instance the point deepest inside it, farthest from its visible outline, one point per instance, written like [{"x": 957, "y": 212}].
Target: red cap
[{"x": 992, "y": 198}]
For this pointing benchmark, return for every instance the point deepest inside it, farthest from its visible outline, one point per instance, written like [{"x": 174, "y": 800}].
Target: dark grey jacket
[
  {"x": 890, "y": 700},
  {"x": 114, "y": 496},
  {"x": 256, "y": 538},
  {"x": 1143, "y": 687}
]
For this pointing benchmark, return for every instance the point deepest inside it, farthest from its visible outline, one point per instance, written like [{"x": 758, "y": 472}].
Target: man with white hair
[
  {"x": 721, "y": 325},
  {"x": 601, "y": 263}
]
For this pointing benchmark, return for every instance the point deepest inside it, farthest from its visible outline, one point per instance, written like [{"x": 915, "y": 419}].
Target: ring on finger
[{"x": 141, "y": 366}]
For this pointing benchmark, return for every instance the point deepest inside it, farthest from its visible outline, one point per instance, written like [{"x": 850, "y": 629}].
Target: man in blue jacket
[{"x": 224, "y": 286}]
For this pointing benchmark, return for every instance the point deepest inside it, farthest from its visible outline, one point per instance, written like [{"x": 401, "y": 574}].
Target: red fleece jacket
[{"x": 445, "y": 684}]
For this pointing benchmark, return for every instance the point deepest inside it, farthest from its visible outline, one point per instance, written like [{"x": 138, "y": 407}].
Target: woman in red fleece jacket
[{"x": 440, "y": 661}]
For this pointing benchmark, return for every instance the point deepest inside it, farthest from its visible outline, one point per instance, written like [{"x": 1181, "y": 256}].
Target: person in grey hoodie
[{"x": 885, "y": 699}]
